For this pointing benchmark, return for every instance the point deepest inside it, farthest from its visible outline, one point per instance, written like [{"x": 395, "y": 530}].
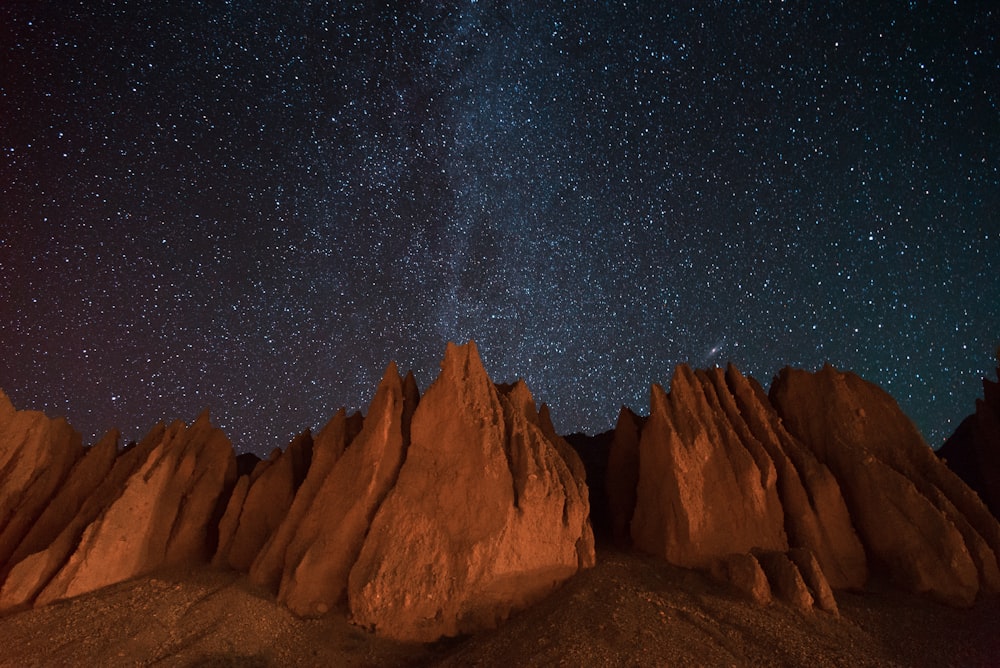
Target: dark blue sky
[{"x": 254, "y": 206}]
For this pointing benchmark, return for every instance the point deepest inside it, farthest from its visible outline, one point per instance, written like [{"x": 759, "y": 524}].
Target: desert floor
[{"x": 630, "y": 610}]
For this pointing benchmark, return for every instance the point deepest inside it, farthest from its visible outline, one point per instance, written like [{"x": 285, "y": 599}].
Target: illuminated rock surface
[
  {"x": 330, "y": 535},
  {"x": 158, "y": 507},
  {"x": 444, "y": 514},
  {"x": 917, "y": 519},
  {"x": 703, "y": 491},
  {"x": 486, "y": 517},
  {"x": 259, "y": 503}
]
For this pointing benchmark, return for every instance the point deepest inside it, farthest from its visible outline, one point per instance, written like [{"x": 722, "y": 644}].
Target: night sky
[{"x": 255, "y": 206}]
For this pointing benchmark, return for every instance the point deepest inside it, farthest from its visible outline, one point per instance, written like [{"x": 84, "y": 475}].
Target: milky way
[{"x": 254, "y": 206}]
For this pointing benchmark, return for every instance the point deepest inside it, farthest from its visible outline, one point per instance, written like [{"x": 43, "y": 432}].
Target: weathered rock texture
[
  {"x": 259, "y": 503},
  {"x": 328, "y": 446},
  {"x": 36, "y": 455},
  {"x": 86, "y": 475},
  {"x": 158, "y": 506},
  {"x": 827, "y": 464},
  {"x": 816, "y": 516},
  {"x": 706, "y": 489},
  {"x": 439, "y": 516},
  {"x": 331, "y": 533},
  {"x": 973, "y": 451},
  {"x": 919, "y": 522},
  {"x": 487, "y": 514}
]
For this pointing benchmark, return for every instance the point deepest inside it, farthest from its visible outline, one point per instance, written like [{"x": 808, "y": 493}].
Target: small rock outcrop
[
  {"x": 973, "y": 451},
  {"x": 744, "y": 573},
  {"x": 259, "y": 503},
  {"x": 814, "y": 578},
  {"x": 785, "y": 579},
  {"x": 764, "y": 576},
  {"x": 704, "y": 490},
  {"x": 330, "y": 534},
  {"x": 919, "y": 522},
  {"x": 157, "y": 507},
  {"x": 37, "y": 454},
  {"x": 486, "y": 516}
]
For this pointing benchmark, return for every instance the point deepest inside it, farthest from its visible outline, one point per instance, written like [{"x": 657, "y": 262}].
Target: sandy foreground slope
[{"x": 629, "y": 610}]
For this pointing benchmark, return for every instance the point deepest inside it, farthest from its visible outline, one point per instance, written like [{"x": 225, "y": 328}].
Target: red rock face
[
  {"x": 486, "y": 516},
  {"x": 330, "y": 535},
  {"x": 705, "y": 488},
  {"x": 154, "y": 510},
  {"x": 259, "y": 504},
  {"x": 915, "y": 517},
  {"x": 34, "y": 572},
  {"x": 328, "y": 446},
  {"x": 85, "y": 477},
  {"x": 439, "y": 516},
  {"x": 719, "y": 474},
  {"x": 36, "y": 456},
  {"x": 816, "y": 516}
]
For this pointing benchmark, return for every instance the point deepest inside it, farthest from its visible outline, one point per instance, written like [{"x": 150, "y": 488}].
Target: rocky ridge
[
  {"x": 426, "y": 517},
  {"x": 825, "y": 469},
  {"x": 441, "y": 514}
]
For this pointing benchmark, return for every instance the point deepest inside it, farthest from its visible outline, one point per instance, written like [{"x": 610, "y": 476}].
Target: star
[{"x": 255, "y": 208}]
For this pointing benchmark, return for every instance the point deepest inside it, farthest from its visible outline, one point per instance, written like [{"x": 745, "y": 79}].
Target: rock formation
[
  {"x": 973, "y": 451},
  {"x": 331, "y": 533},
  {"x": 485, "y": 517},
  {"x": 744, "y": 572},
  {"x": 36, "y": 455},
  {"x": 918, "y": 521},
  {"x": 29, "y": 575},
  {"x": 328, "y": 446},
  {"x": 704, "y": 490},
  {"x": 785, "y": 579},
  {"x": 793, "y": 578},
  {"x": 157, "y": 507},
  {"x": 259, "y": 503},
  {"x": 622, "y": 476},
  {"x": 816, "y": 516},
  {"x": 441, "y": 515},
  {"x": 89, "y": 471},
  {"x": 852, "y": 480},
  {"x": 814, "y": 578}
]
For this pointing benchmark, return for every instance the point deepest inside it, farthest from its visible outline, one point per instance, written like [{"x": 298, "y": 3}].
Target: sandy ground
[{"x": 630, "y": 610}]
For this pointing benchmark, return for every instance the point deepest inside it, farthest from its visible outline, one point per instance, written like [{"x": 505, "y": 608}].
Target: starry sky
[{"x": 255, "y": 206}]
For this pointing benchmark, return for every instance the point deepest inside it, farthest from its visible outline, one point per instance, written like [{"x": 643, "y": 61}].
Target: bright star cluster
[{"x": 255, "y": 206}]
